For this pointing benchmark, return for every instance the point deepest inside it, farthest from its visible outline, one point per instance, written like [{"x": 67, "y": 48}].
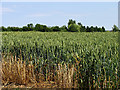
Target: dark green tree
[
  {"x": 16, "y": 28},
  {"x": 96, "y": 29},
  {"x": 38, "y": 27},
  {"x": 3, "y": 28},
  {"x": 100, "y": 30},
  {"x": 79, "y": 24},
  {"x": 103, "y": 29},
  {"x": 30, "y": 27},
  {"x": 71, "y": 22},
  {"x": 87, "y": 29},
  {"x": 83, "y": 29},
  {"x": 63, "y": 28},
  {"x": 74, "y": 28},
  {"x": 115, "y": 28},
  {"x": 9, "y": 28},
  {"x": 91, "y": 29},
  {"x": 44, "y": 28},
  {"x": 48, "y": 29},
  {"x": 56, "y": 29},
  {"x": 25, "y": 28}
]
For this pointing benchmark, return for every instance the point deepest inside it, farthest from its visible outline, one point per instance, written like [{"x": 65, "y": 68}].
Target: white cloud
[
  {"x": 58, "y": 13},
  {"x": 39, "y": 15},
  {"x": 45, "y": 14},
  {"x": 77, "y": 15},
  {"x": 71, "y": 15},
  {"x": 5, "y": 10}
]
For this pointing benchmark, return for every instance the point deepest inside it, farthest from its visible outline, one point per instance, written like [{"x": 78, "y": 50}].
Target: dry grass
[{"x": 16, "y": 73}]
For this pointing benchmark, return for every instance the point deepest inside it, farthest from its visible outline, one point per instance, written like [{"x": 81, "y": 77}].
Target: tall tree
[
  {"x": 3, "y": 28},
  {"x": 87, "y": 29},
  {"x": 38, "y": 27},
  {"x": 74, "y": 28},
  {"x": 100, "y": 29},
  {"x": 96, "y": 29},
  {"x": 30, "y": 27},
  {"x": 63, "y": 28},
  {"x": 103, "y": 29},
  {"x": 115, "y": 28},
  {"x": 91, "y": 29},
  {"x": 83, "y": 29},
  {"x": 71, "y": 22}
]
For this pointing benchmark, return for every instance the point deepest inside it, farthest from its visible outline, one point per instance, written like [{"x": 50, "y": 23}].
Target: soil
[{"x": 45, "y": 84}]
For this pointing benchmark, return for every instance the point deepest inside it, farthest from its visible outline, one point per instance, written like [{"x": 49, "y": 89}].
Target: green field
[{"x": 96, "y": 52}]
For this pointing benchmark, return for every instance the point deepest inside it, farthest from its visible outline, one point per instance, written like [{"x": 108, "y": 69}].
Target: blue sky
[{"x": 58, "y": 13}]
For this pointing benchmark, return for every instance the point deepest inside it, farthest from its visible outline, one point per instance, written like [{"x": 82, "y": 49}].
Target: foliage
[
  {"x": 97, "y": 53},
  {"x": 71, "y": 22},
  {"x": 72, "y": 27},
  {"x": 63, "y": 28},
  {"x": 56, "y": 29},
  {"x": 115, "y": 28}
]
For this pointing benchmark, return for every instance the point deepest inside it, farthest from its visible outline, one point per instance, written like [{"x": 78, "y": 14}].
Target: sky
[
  {"x": 58, "y": 13},
  {"x": 59, "y": 0}
]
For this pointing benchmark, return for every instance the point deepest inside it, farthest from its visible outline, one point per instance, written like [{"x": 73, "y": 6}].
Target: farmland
[{"x": 69, "y": 59}]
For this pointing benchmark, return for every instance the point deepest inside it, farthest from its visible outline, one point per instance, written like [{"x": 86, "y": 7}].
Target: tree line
[{"x": 72, "y": 27}]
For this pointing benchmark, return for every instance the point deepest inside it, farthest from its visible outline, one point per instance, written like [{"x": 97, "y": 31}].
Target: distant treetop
[{"x": 72, "y": 27}]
